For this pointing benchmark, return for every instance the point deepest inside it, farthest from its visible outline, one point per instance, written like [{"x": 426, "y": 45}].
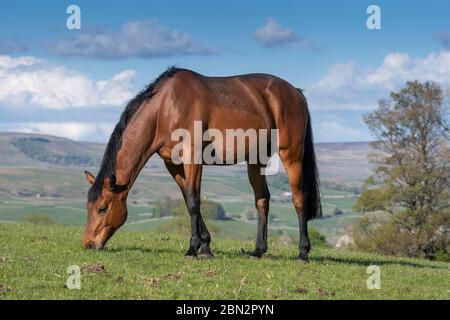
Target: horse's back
[
  {"x": 257, "y": 94},
  {"x": 248, "y": 101}
]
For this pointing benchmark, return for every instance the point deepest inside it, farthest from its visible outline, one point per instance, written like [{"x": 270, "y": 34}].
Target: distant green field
[
  {"x": 34, "y": 261},
  {"x": 60, "y": 193}
]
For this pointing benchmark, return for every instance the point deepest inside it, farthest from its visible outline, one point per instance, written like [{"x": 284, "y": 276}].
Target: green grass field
[
  {"x": 41, "y": 191},
  {"x": 137, "y": 265}
]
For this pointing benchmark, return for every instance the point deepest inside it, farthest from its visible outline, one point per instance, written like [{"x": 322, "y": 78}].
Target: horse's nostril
[{"x": 89, "y": 245}]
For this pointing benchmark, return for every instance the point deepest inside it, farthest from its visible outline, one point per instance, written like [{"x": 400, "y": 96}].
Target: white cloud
[
  {"x": 272, "y": 34},
  {"x": 26, "y": 81},
  {"x": 72, "y": 130},
  {"x": 144, "y": 39},
  {"x": 8, "y": 62},
  {"x": 347, "y": 87}
]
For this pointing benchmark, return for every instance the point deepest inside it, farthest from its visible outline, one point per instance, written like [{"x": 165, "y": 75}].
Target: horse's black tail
[{"x": 311, "y": 182}]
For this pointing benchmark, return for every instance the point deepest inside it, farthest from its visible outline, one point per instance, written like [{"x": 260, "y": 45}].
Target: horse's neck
[{"x": 137, "y": 147}]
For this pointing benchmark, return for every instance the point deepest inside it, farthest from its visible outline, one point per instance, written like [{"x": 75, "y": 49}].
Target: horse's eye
[{"x": 103, "y": 209}]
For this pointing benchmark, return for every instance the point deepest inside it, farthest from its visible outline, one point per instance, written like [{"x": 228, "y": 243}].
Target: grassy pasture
[
  {"x": 60, "y": 193},
  {"x": 136, "y": 265}
]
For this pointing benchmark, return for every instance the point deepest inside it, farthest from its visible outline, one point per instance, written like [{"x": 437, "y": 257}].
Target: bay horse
[{"x": 178, "y": 98}]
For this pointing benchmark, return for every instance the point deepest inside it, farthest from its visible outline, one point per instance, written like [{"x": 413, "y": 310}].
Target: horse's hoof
[
  {"x": 256, "y": 255},
  {"x": 205, "y": 252},
  {"x": 191, "y": 253},
  {"x": 303, "y": 258},
  {"x": 303, "y": 261}
]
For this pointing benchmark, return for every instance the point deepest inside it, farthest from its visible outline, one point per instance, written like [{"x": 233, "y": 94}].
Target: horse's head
[{"x": 107, "y": 212}]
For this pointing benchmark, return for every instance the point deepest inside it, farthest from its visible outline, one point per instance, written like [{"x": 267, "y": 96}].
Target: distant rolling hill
[
  {"x": 33, "y": 149},
  {"x": 343, "y": 162},
  {"x": 43, "y": 175},
  {"x": 38, "y": 150}
]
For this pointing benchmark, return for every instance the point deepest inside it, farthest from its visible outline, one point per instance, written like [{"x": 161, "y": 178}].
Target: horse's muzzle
[{"x": 88, "y": 245}]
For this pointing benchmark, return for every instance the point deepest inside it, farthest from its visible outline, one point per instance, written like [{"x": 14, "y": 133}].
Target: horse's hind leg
[
  {"x": 262, "y": 199},
  {"x": 188, "y": 178},
  {"x": 295, "y": 176}
]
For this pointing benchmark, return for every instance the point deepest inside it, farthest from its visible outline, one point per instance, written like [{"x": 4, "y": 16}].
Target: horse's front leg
[
  {"x": 200, "y": 237},
  {"x": 205, "y": 239}
]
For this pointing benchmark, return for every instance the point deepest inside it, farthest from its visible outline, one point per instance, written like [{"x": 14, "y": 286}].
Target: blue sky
[{"x": 75, "y": 83}]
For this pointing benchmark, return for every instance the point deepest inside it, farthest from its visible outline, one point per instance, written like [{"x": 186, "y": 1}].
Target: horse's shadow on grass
[
  {"x": 230, "y": 254},
  {"x": 375, "y": 261},
  {"x": 142, "y": 250},
  {"x": 349, "y": 260}
]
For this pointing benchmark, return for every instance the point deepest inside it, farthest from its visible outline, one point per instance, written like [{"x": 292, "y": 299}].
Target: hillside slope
[
  {"x": 35, "y": 149},
  {"x": 337, "y": 161},
  {"x": 34, "y": 262},
  {"x": 43, "y": 175}
]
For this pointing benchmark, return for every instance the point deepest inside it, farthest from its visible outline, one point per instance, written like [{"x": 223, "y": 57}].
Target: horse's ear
[{"x": 89, "y": 177}]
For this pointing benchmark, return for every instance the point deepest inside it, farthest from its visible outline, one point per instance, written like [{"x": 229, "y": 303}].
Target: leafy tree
[
  {"x": 412, "y": 178},
  {"x": 163, "y": 207},
  {"x": 212, "y": 210},
  {"x": 250, "y": 214},
  {"x": 166, "y": 207}
]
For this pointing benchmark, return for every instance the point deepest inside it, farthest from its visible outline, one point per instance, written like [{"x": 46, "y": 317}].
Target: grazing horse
[{"x": 177, "y": 99}]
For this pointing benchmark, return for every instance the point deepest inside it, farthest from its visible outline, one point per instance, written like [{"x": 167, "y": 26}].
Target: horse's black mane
[{"x": 108, "y": 165}]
